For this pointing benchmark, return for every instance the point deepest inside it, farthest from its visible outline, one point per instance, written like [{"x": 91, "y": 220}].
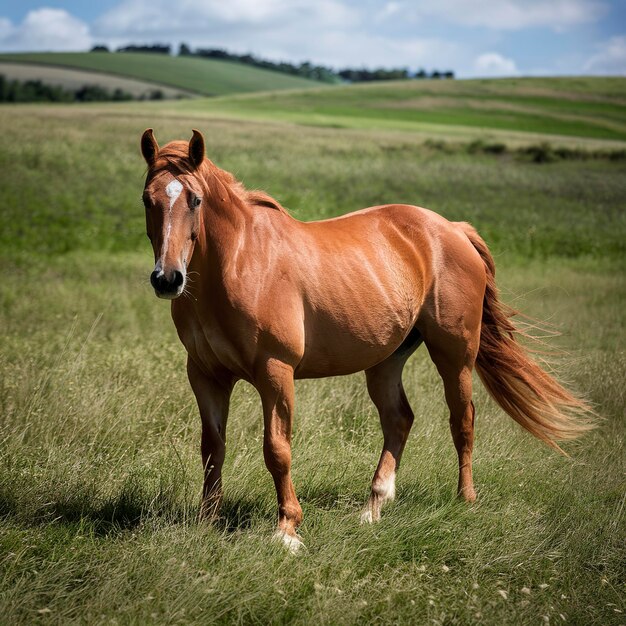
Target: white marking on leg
[
  {"x": 293, "y": 543},
  {"x": 382, "y": 491},
  {"x": 366, "y": 516},
  {"x": 386, "y": 489},
  {"x": 173, "y": 191}
]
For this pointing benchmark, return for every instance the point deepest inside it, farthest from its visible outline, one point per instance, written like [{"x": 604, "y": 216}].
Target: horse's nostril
[
  {"x": 154, "y": 280},
  {"x": 166, "y": 285},
  {"x": 178, "y": 279}
]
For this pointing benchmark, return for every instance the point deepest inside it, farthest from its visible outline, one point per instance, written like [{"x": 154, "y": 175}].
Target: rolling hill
[
  {"x": 207, "y": 77},
  {"x": 584, "y": 107},
  {"x": 515, "y": 110}
]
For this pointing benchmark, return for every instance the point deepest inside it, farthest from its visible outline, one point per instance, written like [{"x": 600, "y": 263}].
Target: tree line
[
  {"x": 304, "y": 70},
  {"x": 38, "y": 91}
]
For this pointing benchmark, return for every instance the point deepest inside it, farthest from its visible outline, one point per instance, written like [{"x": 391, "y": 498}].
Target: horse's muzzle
[{"x": 167, "y": 286}]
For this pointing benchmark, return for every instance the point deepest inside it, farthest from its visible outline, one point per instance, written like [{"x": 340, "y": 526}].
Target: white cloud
[
  {"x": 193, "y": 18},
  {"x": 46, "y": 30},
  {"x": 610, "y": 58},
  {"x": 357, "y": 49},
  {"x": 492, "y": 64},
  {"x": 329, "y": 32},
  {"x": 338, "y": 33},
  {"x": 390, "y": 10},
  {"x": 6, "y": 27},
  {"x": 517, "y": 14}
]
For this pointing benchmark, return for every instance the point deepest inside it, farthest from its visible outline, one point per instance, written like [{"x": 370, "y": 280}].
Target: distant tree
[
  {"x": 37, "y": 91},
  {"x": 350, "y": 75},
  {"x": 92, "y": 93},
  {"x": 305, "y": 69},
  {"x": 155, "y": 48},
  {"x": 449, "y": 74},
  {"x": 362, "y": 75},
  {"x": 435, "y": 74},
  {"x": 121, "y": 95},
  {"x": 100, "y": 48},
  {"x": 212, "y": 53}
]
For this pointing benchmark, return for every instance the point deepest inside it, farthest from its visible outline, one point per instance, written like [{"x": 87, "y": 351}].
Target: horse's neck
[{"x": 223, "y": 224}]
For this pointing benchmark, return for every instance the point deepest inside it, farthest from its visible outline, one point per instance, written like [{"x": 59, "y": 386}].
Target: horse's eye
[{"x": 195, "y": 202}]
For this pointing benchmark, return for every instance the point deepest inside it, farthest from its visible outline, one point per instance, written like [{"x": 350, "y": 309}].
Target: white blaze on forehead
[{"x": 173, "y": 191}]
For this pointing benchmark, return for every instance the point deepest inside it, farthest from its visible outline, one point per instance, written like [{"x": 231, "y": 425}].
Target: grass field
[
  {"x": 206, "y": 77},
  {"x": 99, "y": 463}
]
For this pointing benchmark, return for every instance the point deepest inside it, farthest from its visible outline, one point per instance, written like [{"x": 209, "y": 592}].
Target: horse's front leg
[
  {"x": 213, "y": 398},
  {"x": 276, "y": 387}
]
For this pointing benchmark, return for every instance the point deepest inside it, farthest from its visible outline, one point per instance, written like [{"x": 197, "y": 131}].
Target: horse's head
[{"x": 172, "y": 197}]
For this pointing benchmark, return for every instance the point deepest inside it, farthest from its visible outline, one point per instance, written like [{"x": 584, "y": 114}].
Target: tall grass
[
  {"x": 99, "y": 436},
  {"x": 75, "y": 183}
]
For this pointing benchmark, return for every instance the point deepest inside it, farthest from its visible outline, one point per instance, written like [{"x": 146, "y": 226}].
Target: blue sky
[{"x": 471, "y": 37}]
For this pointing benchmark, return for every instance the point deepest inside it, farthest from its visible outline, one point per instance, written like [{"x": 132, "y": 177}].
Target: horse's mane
[
  {"x": 175, "y": 157},
  {"x": 260, "y": 198}
]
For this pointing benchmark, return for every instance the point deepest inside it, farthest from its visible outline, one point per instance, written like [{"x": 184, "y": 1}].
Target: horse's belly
[
  {"x": 333, "y": 364},
  {"x": 336, "y": 345}
]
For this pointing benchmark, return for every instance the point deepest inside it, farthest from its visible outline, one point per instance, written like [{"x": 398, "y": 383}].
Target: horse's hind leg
[
  {"x": 384, "y": 384},
  {"x": 454, "y": 357}
]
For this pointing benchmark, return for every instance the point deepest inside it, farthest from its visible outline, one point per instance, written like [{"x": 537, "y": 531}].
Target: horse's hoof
[
  {"x": 208, "y": 515},
  {"x": 468, "y": 495},
  {"x": 369, "y": 517},
  {"x": 293, "y": 543}
]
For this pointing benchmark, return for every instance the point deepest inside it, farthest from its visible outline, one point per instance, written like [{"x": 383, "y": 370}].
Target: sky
[{"x": 471, "y": 37}]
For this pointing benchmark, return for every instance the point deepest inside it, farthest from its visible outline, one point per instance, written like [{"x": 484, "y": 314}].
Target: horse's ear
[
  {"x": 196, "y": 148},
  {"x": 149, "y": 146}
]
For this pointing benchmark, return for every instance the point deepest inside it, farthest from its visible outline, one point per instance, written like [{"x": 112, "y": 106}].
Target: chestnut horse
[{"x": 274, "y": 299}]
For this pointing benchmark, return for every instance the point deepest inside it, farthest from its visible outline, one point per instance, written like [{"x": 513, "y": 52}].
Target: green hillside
[
  {"x": 206, "y": 77},
  {"x": 575, "y": 107}
]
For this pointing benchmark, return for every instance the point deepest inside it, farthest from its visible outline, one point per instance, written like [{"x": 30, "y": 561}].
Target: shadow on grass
[
  {"x": 238, "y": 515},
  {"x": 132, "y": 509},
  {"x": 114, "y": 516}
]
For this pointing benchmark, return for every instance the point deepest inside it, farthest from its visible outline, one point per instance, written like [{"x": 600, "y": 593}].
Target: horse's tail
[{"x": 532, "y": 397}]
